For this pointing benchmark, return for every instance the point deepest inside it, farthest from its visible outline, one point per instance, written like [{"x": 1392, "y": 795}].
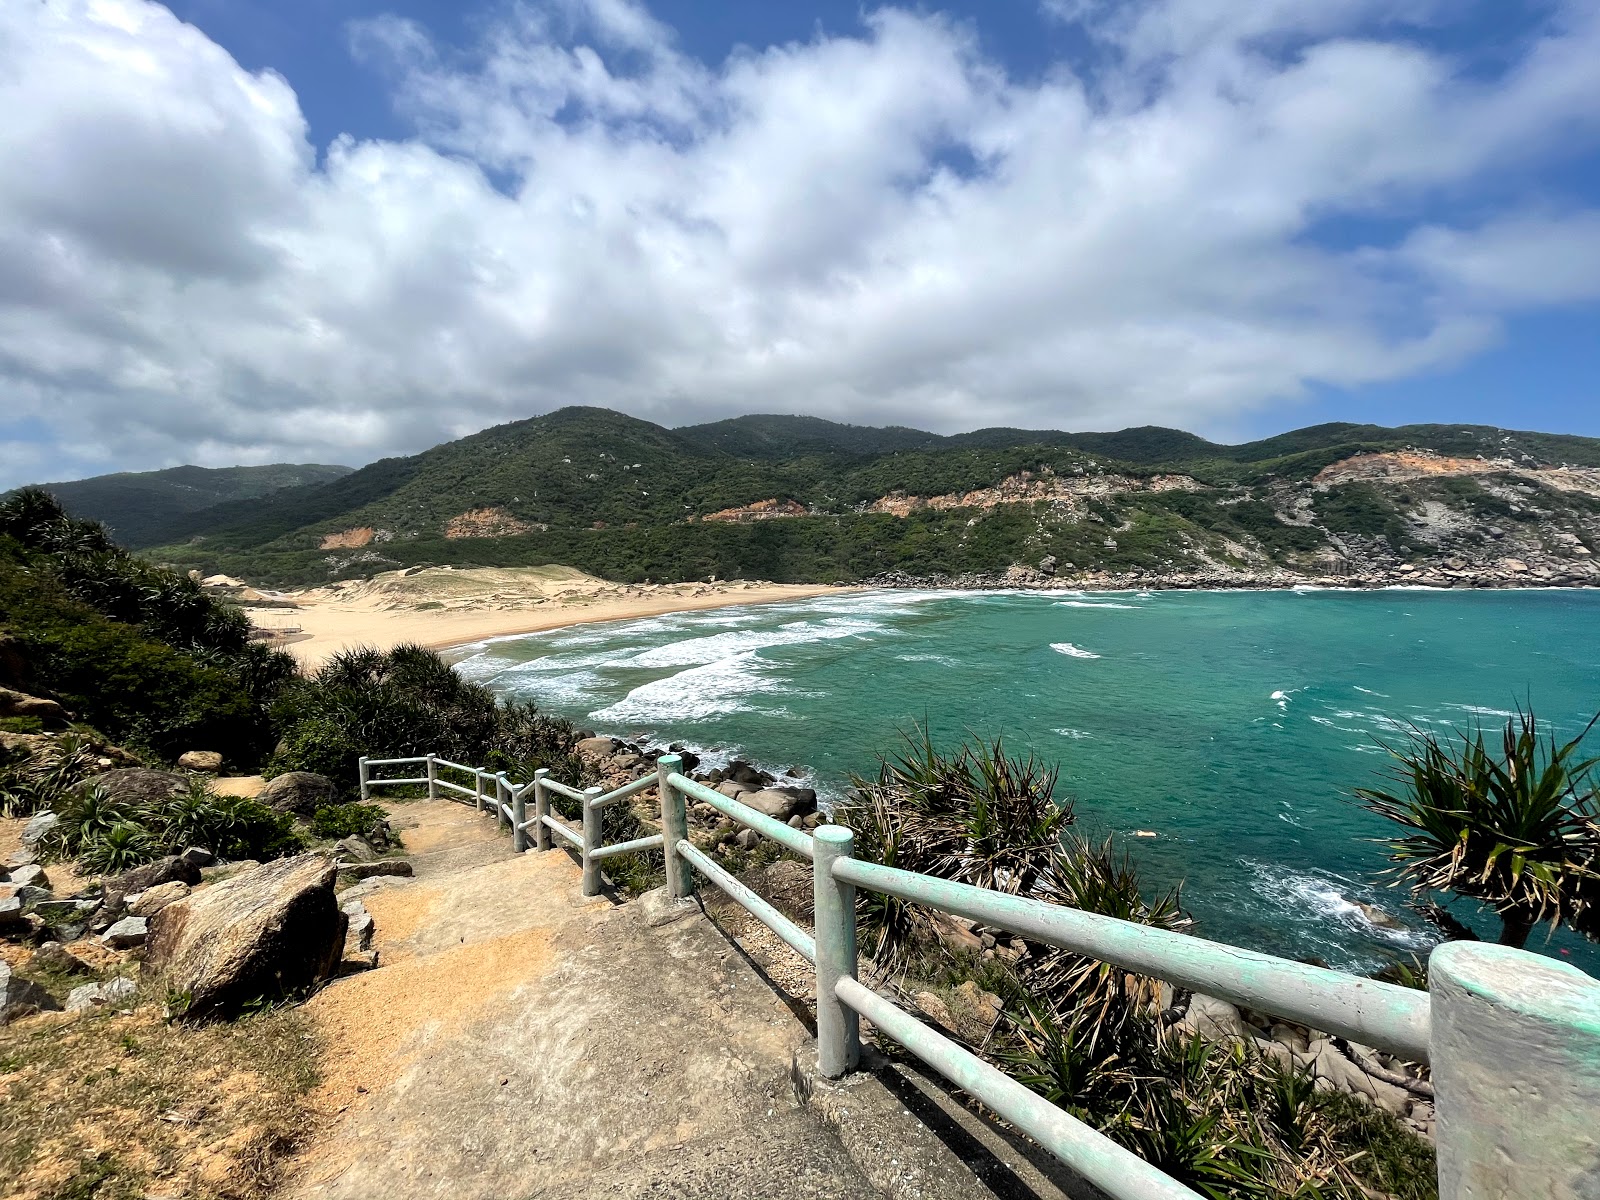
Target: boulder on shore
[
  {"x": 266, "y": 932},
  {"x": 781, "y": 803},
  {"x": 299, "y": 792},
  {"x": 208, "y": 761}
]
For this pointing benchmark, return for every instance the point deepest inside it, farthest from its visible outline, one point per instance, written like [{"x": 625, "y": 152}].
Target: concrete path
[{"x": 518, "y": 1040}]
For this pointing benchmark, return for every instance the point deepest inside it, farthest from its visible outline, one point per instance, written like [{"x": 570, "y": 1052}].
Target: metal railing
[{"x": 1495, "y": 1024}]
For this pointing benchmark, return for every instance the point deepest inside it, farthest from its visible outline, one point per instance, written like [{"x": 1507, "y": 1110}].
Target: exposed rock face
[
  {"x": 152, "y": 874},
  {"x": 21, "y": 997},
  {"x": 20, "y": 704},
  {"x": 781, "y": 803},
  {"x": 138, "y": 785},
  {"x": 153, "y": 900},
  {"x": 38, "y": 826},
  {"x": 299, "y": 792},
  {"x": 208, "y": 761},
  {"x": 275, "y": 929}
]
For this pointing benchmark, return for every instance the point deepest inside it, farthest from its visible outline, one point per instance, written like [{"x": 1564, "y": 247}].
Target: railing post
[
  {"x": 674, "y": 825},
  {"x": 541, "y": 809},
  {"x": 363, "y": 772},
  {"x": 591, "y": 842},
  {"x": 433, "y": 778},
  {"x": 519, "y": 818},
  {"x": 838, "y": 1030},
  {"x": 477, "y": 789},
  {"x": 1515, "y": 1044},
  {"x": 502, "y": 793}
]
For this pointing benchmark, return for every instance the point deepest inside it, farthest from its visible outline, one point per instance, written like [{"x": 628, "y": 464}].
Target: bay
[{"x": 1232, "y": 725}]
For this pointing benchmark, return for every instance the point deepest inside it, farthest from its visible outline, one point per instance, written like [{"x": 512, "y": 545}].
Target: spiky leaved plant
[{"x": 1518, "y": 831}]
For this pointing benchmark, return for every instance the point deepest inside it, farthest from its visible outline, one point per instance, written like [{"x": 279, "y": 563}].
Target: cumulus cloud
[{"x": 879, "y": 227}]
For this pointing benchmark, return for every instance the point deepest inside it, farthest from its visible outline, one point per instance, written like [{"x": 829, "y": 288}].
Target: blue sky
[{"x": 247, "y": 231}]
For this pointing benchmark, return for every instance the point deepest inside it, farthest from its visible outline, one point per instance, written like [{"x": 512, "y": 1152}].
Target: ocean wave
[
  {"x": 1071, "y": 651},
  {"x": 728, "y": 685},
  {"x": 732, "y": 643},
  {"x": 1324, "y": 897},
  {"x": 1093, "y": 604},
  {"x": 1074, "y": 734},
  {"x": 943, "y": 660},
  {"x": 1478, "y": 711}
]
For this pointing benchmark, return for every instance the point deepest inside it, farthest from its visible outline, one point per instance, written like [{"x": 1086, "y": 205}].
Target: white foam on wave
[
  {"x": 944, "y": 660},
  {"x": 719, "y": 646},
  {"x": 1370, "y": 692},
  {"x": 1071, "y": 651},
  {"x": 1093, "y": 604},
  {"x": 1323, "y": 896},
  {"x": 1478, "y": 711},
  {"x": 713, "y": 689},
  {"x": 1076, "y": 735}
]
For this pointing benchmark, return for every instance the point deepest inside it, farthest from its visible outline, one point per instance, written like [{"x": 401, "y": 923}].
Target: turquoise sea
[{"x": 1233, "y": 725}]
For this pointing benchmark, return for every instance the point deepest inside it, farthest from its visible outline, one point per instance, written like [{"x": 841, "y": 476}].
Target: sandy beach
[{"x": 440, "y": 607}]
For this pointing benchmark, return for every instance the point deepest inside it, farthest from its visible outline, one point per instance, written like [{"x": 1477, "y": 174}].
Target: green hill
[
  {"x": 137, "y": 506},
  {"x": 798, "y": 498}
]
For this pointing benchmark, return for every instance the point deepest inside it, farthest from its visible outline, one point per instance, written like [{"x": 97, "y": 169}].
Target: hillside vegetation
[
  {"x": 797, "y": 499},
  {"x": 138, "y": 506}
]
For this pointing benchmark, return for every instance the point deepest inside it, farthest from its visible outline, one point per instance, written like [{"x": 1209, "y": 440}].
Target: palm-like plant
[{"x": 1518, "y": 831}]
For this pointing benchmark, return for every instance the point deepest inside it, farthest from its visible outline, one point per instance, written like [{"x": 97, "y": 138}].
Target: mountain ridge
[{"x": 800, "y": 499}]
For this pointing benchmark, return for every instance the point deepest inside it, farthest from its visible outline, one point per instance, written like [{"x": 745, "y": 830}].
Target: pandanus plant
[{"x": 1518, "y": 831}]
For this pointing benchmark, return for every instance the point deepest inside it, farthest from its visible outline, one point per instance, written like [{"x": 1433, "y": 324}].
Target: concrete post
[
  {"x": 433, "y": 778},
  {"x": 1516, "y": 1065},
  {"x": 477, "y": 790},
  {"x": 674, "y": 825},
  {"x": 838, "y": 1032},
  {"x": 519, "y": 818},
  {"x": 591, "y": 842},
  {"x": 502, "y": 793},
  {"x": 541, "y": 809},
  {"x": 363, "y": 772}
]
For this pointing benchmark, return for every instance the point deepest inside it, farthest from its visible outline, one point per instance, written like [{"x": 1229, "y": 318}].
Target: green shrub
[
  {"x": 346, "y": 820},
  {"x": 21, "y": 725}
]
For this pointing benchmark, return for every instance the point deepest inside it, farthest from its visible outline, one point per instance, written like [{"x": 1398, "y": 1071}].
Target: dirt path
[{"x": 521, "y": 1041}]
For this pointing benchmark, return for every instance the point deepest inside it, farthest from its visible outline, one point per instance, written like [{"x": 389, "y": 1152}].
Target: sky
[{"x": 248, "y": 231}]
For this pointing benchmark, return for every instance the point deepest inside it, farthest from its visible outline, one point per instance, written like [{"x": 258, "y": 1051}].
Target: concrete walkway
[{"x": 521, "y": 1041}]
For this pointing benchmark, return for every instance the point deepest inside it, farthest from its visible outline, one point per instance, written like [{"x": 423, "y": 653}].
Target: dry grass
[{"x": 124, "y": 1106}]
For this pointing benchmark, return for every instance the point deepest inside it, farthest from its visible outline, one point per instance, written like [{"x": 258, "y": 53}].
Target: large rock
[
  {"x": 299, "y": 792},
  {"x": 596, "y": 747},
  {"x": 127, "y": 933},
  {"x": 781, "y": 803},
  {"x": 20, "y": 704},
  {"x": 1213, "y": 1020},
  {"x": 265, "y": 932},
  {"x": 39, "y": 825},
  {"x": 153, "y": 900},
  {"x": 113, "y": 992},
  {"x": 141, "y": 879},
  {"x": 208, "y": 761},
  {"x": 21, "y": 997},
  {"x": 137, "y": 785}
]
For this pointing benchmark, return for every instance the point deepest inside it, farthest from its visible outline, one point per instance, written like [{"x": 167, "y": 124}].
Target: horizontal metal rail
[
  {"x": 445, "y": 762},
  {"x": 798, "y": 939},
  {"x": 623, "y": 792},
  {"x": 394, "y": 762},
  {"x": 637, "y": 846},
  {"x": 785, "y": 835},
  {"x": 561, "y": 789},
  {"x": 560, "y": 827},
  {"x": 1115, "y": 1171},
  {"x": 456, "y": 787},
  {"x": 372, "y": 783},
  {"x": 1377, "y": 1014}
]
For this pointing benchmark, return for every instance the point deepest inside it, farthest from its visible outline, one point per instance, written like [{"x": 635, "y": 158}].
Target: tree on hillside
[{"x": 1518, "y": 831}]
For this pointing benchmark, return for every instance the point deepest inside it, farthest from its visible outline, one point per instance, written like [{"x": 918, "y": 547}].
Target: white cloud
[{"x": 885, "y": 227}]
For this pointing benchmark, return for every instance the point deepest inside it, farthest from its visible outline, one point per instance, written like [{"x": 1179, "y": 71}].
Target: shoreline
[{"x": 324, "y": 628}]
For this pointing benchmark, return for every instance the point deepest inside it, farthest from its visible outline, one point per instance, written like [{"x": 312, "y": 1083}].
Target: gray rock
[
  {"x": 21, "y": 997},
  {"x": 208, "y": 761},
  {"x": 101, "y": 995},
  {"x": 53, "y": 956},
  {"x": 383, "y": 866},
  {"x": 31, "y": 875},
  {"x": 1213, "y": 1020},
  {"x": 11, "y": 912},
  {"x": 355, "y": 848},
  {"x": 358, "y": 935},
  {"x": 782, "y": 803},
  {"x": 659, "y": 908},
  {"x": 126, "y": 933},
  {"x": 732, "y": 789},
  {"x": 198, "y": 856},
  {"x": 596, "y": 747},
  {"x": 32, "y": 896},
  {"x": 137, "y": 786},
  {"x": 142, "y": 879},
  {"x": 40, "y": 824},
  {"x": 275, "y": 929},
  {"x": 747, "y": 839},
  {"x": 299, "y": 792}
]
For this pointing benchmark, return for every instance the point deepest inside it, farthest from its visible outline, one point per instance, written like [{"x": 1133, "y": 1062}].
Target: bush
[
  {"x": 408, "y": 702},
  {"x": 107, "y": 836},
  {"x": 33, "y": 781},
  {"x": 347, "y": 820}
]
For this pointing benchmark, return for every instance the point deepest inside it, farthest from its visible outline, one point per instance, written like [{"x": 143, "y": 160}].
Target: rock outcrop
[
  {"x": 137, "y": 785},
  {"x": 299, "y": 792},
  {"x": 272, "y": 930}
]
